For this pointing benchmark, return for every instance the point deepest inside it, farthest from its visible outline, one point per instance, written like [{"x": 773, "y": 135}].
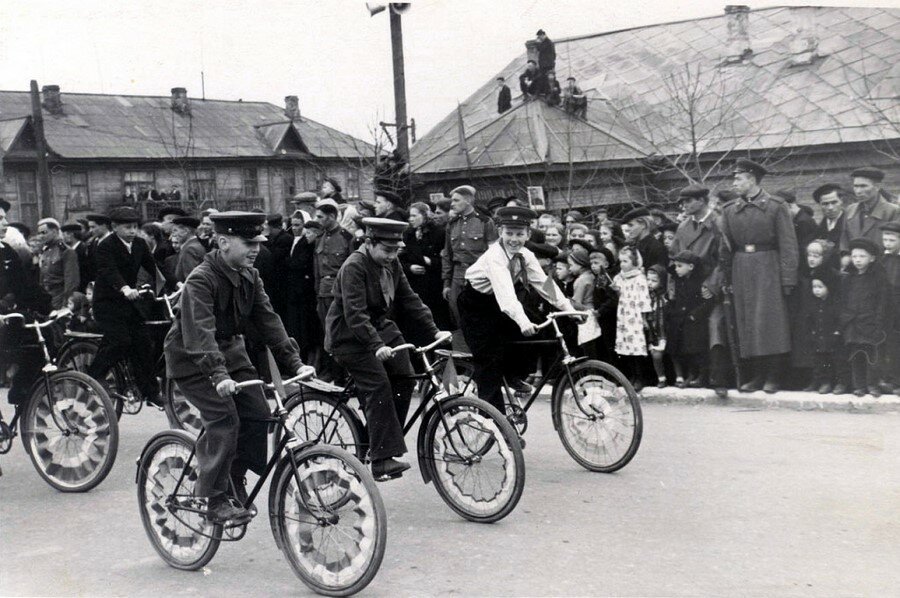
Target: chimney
[
  {"x": 180, "y": 100},
  {"x": 804, "y": 42},
  {"x": 737, "y": 19},
  {"x": 531, "y": 50},
  {"x": 292, "y": 107},
  {"x": 52, "y": 102}
]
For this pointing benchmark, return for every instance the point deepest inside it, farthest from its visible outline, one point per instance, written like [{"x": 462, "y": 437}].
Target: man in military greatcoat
[
  {"x": 206, "y": 357},
  {"x": 871, "y": 210},
  {"x": 759, "y": 258},
  {"x": 468, "y": 235}
]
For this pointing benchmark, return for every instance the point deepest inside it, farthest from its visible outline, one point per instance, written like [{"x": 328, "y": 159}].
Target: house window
[
  {"x": 79, "y": 195},
  {"x": 138, "y": 183},
  {"x": 352, "y": 189},
  {"x": 288, "y": 181},
  {"x": 202, "y": 185},
  {"x": 251, "y": 182}
]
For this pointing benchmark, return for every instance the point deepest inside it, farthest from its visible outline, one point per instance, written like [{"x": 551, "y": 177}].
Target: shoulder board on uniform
[
  {"x": 776, "y": 199},
  {"x": 453, "y": 219},
  {"x": 730, "y": 202}
]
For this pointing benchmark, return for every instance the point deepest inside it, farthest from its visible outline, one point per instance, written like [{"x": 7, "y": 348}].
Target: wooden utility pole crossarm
[{"x": 40, "y": 143}]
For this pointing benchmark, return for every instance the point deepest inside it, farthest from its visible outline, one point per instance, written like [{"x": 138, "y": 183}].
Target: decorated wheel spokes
[
  {"x": 70, "y": 437},
  {"x": 180, "y": 531},
  {"x": 598, "y": 419},
  {"x": 330, "y": 521},
  {"x": 314, "y": 420},
  {"x": 187, "y": 416},
  {"x": 473, "y": 461}
]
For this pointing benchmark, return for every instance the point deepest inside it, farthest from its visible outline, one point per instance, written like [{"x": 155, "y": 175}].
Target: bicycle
[
  {"x": 320, "y": 497},
  {"x": 595, "y": 409},
  {"x": 68, "y": 424},
  {"x": 464, "y": 444},
  {"x": 80, "y": 348}
]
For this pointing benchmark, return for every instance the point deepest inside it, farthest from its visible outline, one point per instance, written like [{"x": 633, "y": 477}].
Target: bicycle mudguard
[
  {"x": 283, "y": 462},
  {"x": 186, "y": 436},
  {"x": 424, "y": 460}
]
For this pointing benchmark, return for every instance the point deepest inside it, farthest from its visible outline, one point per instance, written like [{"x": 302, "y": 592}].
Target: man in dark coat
[
  {"x": 546, "y": 52},
  {"x": 303, "y": 323},
  {"x": 279, "y": 242},
  {"x": 98, "y": 227},
  {"x": 532, "y": 82},
  {"x": 830, "y": 198},
  {"x": 638, "y": 227},
  {"x": 191, "y": 251},
  {"x": 206, "y": 357},
  {"x": 370, "y": 291},
  {"x": 804, "y": 223},
  {"x": 504, "y": 97},
  {"x": 699, "y": 233},
  {"x": 71, "y": 235},
  {"x": 120, "y": 256},
  {"x": 866, "y": 217},
  {"x": 389, "y": 205},
  {"x": 759, "y": 258}
]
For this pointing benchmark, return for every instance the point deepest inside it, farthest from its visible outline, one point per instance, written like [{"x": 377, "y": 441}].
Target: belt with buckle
[{"x": 755, "y": 248}]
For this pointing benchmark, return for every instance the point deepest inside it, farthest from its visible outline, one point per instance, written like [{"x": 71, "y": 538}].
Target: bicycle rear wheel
[
  {"x": 334, "y": 546},
  {"x": 184, "y": 539},
  {"x": 325, "y": 419},
  {"x": 79, "y": 355},
  {"x": 598, "y": 416},
  {"x": 476, "y": 460},
  {"x": 182, "y": 415},
  {"x": 71, "y": 433}
]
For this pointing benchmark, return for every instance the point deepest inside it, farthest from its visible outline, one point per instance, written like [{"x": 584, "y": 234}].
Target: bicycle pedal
[{"x": 388, "y": 478}]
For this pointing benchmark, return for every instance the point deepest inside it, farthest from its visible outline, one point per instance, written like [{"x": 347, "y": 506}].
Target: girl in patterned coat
[{"x": 631, "y": 317}]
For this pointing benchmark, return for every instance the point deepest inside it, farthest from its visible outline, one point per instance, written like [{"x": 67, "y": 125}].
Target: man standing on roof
[
  {"x": 504, "y": 97},
  {"x": 546, "y": 53},
  {"x": 468, "y": 235},
  {"x": 759, "y": 259}
]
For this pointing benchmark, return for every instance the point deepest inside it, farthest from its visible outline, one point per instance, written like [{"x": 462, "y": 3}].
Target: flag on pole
[
  {"x": 449, "y": 380},
  {"x": 550, "y": 291},
  {"x": 159, "y": 282}
]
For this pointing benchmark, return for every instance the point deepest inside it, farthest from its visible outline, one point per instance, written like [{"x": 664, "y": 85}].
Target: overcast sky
[{"x": 330, "y": 53}]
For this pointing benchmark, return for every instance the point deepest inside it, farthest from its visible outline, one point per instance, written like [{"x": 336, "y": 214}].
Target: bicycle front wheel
[
  {"x": 166, "y": 480},
  {"x": 330, "y": 520},
  {"x": 598, "y": 416},
  {"x": 475, "y": 458},
  {"x": 71, "y": 433}
]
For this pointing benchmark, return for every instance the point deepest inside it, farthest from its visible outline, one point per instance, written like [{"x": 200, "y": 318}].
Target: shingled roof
[
  {"x": 100, "y": 126},
  {"x": 636, "y": 78}
]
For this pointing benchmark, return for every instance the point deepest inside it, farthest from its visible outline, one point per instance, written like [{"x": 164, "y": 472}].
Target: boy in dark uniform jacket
[
  {"x": 687, "y": 330},
  {"x": 370, "y": 292},
  {"x": 890, "y": 239},
  {"x": 863, "y": 315}
]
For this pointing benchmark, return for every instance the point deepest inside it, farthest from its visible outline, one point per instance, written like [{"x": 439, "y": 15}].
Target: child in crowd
[
  {"x": 562, "y": 274},
  {"x": 582, "y": 289},
  {"x": 606, "y": 302},
  {"x": 656, "y": 321},
  {"x": 576, "y": 230},
  {"x": 634, "y": 305},
  {"x": 801, "y": 303},
  {"x": 82, "y": 319},
  {"x": 667, "y": 230},
  {"x": 687, "y": 327},
  {"x": 862, "y": 315},
  {"x": 890, "y": 239},
  {"x": 820, "y": 317}
]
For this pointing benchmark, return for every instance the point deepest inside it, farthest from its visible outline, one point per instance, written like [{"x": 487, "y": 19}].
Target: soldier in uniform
[
  {"x": 871, "y": 211},
  {"x": 371, "y": 290},
  {"x": 759, "y": 258},
  {"x": 206, "y": 357},
  {"x": 333, "y": 247},
  {"x": 119, "y": 258},
  {"x": 192, "y": 252},
  {"x": 490, "y": 305},
  {"x": 468, "y": 235},
  {"x": 58, "y": 263}
]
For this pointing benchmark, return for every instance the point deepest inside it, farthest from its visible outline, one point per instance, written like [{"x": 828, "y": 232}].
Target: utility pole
[
  {"x": 43, "y": 174},
  {"x": 399, "y": 85}
]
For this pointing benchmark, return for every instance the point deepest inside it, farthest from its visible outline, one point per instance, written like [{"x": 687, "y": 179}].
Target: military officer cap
[
  {"x": 635, "y": 214},
  {"x": 825, "y": 190},
  {"x": 327, "y": 203},
  {"x": 314, "y": 224},
  {"x": 124, "y": 215},
  {"x": 389, "y": 195},
  {"x": 864, "y": 244},
  {"x": 891, "y": 227},
  {"x": 305, "y": 197},
  {"x": 247, "y": 225},
  {"x": 188, "y": 221},
  {"x": 170, "y": 211},
  {"x": 384, "y": 230},
  {"x": 875, "y": 175},
  {"x": 467, "y": 190},
  {"x": 70, "y": 227},
  {"x": 750, "y": 167},
  {"x": 542, "y": 250},
  {"x": 693, "y": 192},
  {"x": 516, "y": 216},
  {"x": 99, "y": 218},
  {"x": 786, "y": 195},
  {"x": 5, "y": 205},
  {"x": 686, "y": 257}
]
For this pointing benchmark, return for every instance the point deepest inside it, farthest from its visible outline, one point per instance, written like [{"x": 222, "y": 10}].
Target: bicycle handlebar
[
  {"x": 62, "y": 313},
  {"x": 298, "y": 378},
  {"x": 440, "y": 341},
  {"x": 562, "y": 314}
]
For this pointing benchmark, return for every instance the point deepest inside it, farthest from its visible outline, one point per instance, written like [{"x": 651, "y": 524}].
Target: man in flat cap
[
  {"x": 546, "y": 52},
  {"x": 830, "y": 198},
  {"x": 759, "y": 258},
  {"x": 699, "y": 233},
  {"x": 871, "y": 210},
  {"x": 71, "y": 235},
  {"x": 638, "y": 226},
  {"x": 206, "y": 357},
  {"x": 60, "y": 276},
  {"x": 371, "y": 291},
  {"x": 468, "y": 235},
  {"x": 389, "y": 205},
  {"x": 504, "y": 96},
  {"x": 120, "y": 256},
  {"x": 192, "y": 251}
]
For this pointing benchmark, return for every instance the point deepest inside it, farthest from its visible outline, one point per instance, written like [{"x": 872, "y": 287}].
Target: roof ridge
[{"x": 138, "y": 95}]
